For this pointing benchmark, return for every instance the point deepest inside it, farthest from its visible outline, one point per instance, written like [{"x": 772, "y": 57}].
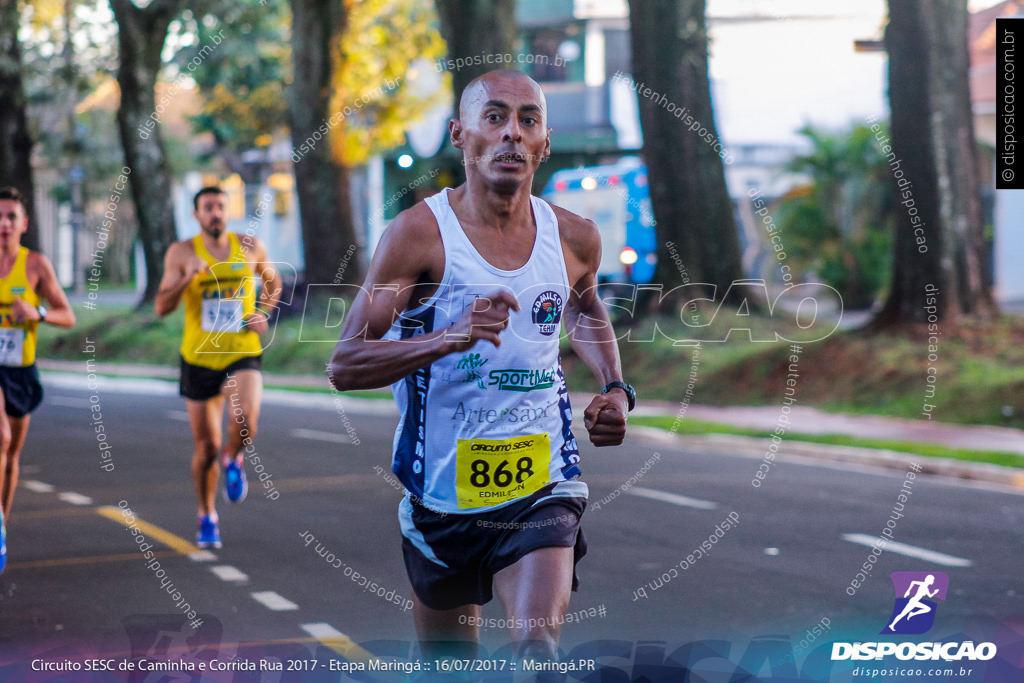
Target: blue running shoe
[
  {"x": 3, "y": 544},
  {"x": 208, "y": 535},
  {"x": 235, "y": 485}
]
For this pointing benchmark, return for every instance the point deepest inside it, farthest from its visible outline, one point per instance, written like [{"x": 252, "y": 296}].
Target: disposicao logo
[
  {"x": 914, "y": 609},
  {"x": 913, "y": 613}
]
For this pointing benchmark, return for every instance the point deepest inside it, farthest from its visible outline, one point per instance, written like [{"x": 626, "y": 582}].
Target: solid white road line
[
  {"x": 672, "y": 498},
  {"x": 317, "y": 435},
  {"x": 910, "y": 551},
  {"x": 75, "y": 498},
  {"x": 273, "y": 601}
]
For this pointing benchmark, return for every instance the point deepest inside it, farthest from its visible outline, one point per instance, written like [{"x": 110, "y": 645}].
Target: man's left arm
[
  {"x": 49, "y": 288},
  {"x": 271, "y": 292},
  {"x": 590, "y": 331}
]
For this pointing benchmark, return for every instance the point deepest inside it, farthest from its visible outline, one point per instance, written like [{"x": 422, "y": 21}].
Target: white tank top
[{"x": 482, "y": 428}]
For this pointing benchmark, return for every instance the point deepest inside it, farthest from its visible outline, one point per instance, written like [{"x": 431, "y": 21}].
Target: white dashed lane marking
[
  {"x": 316, "y": 435},
  {"x": 228, "y": 573},
  {"x": 202, "y": 556},
  {"x": 672, "y": 498},
  {"x": 75, "y": 498},
  {"x": 37, "y": 486},
  {"x": 343, "y": 645},
  {"x": 910, "y": 551},
  {"x": 322, "y": 631},
  {"x": 273, "y": 601},
  {"x": 68, "y": 402}
]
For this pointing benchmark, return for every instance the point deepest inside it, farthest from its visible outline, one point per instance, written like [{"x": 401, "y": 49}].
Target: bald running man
[{"x": 461, "y": 312}]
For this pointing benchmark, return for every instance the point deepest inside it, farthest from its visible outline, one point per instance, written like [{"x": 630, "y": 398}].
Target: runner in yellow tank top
[
  {"x": 216, "y": 304},
  {"x": 215, "y": 274},
  {"x": 26, "y": 278},
  {"x": 17, "y": 340}
]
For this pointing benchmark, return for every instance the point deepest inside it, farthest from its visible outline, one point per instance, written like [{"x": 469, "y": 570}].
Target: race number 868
[{"x": 492, "y": 471}]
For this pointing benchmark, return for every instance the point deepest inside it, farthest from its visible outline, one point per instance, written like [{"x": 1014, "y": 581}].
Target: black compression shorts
[
  {"x": 21, "y": 388},
  {"x": 452, "y": 558},
  {"x": 202, "y": 384}
]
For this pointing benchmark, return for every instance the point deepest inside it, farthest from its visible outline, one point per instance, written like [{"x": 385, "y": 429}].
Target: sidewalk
[
  {"x": 802, "y": 419},
  {"x": 807, "y": 420},
  {"x": 171, "y": 373}
]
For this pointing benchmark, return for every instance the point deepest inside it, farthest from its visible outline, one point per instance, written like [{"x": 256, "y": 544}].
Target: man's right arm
[
  {"x": 409, "y": 249},
  {"x": 180, "y": 266}
]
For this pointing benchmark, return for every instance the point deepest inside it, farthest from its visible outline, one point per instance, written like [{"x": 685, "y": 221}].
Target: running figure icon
[{"x": 915, "y": 607}]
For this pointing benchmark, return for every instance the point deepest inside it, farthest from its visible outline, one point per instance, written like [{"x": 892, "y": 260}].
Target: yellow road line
[
  {"x": 177, "y": 543},
  {"x": 37, "y": 564},
  {"x": 347, "y": 648}
]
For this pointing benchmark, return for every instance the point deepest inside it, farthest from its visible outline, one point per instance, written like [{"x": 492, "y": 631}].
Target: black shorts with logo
[
  {"x": 202, "y": 384},
  {"x": 451, "y": 559},
  {"x": 22, "y": 390}
]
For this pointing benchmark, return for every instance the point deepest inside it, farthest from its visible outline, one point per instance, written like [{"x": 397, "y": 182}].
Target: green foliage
[
  {"x": 242, "y": 79},
  {"x": 842, "y": 221},
  {"x": 84, "y": 96},
  {"x": 385, "y": 42}
]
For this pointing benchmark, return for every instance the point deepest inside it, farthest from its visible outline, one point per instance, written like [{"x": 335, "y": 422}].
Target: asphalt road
[{"x": 78, "y": 586}]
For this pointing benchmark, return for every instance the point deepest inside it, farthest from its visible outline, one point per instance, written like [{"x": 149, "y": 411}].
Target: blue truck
[{"x": 616, "y": 198}]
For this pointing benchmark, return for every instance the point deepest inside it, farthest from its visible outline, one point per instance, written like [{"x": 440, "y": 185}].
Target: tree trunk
[
  {"x": 15, "y": 140},
  {"x": 689, "y": 197},
  {"x": 474, "y": 29},
  {"x": 141, "y": 35},
  {"x": 939, "y": 244},
  {"x": 321, "y": 184}
]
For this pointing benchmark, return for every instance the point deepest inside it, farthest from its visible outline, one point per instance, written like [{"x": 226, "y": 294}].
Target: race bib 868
[{"x": 493, "y": 471}]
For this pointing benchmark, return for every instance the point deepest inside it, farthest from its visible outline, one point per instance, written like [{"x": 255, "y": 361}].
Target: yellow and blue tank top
[
  {"x": 216, "y": 303},
  {"x": 17, "y": 340}
]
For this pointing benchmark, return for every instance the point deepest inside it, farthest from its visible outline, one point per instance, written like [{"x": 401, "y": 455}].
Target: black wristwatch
[
  {"x": 42, "y": 313},
  {"x": 630, "y": 391}
]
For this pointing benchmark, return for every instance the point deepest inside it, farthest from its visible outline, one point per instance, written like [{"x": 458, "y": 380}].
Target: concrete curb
[
  {"x": 756, "y": 448},
  {"x": 168, "y": 372},
  {"x": 746, "y": 446}
]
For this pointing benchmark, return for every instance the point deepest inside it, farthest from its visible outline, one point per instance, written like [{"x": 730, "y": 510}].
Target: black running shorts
[
  {"x": 22, "y": 390},
  {"x": 202, "y": 384},
  {"x": 452, "y": 558}
]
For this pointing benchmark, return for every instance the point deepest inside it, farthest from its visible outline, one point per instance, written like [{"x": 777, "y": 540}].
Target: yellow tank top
[
  {"x": 17, "y": 341},
  {"x": 216, "y": 303}
]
